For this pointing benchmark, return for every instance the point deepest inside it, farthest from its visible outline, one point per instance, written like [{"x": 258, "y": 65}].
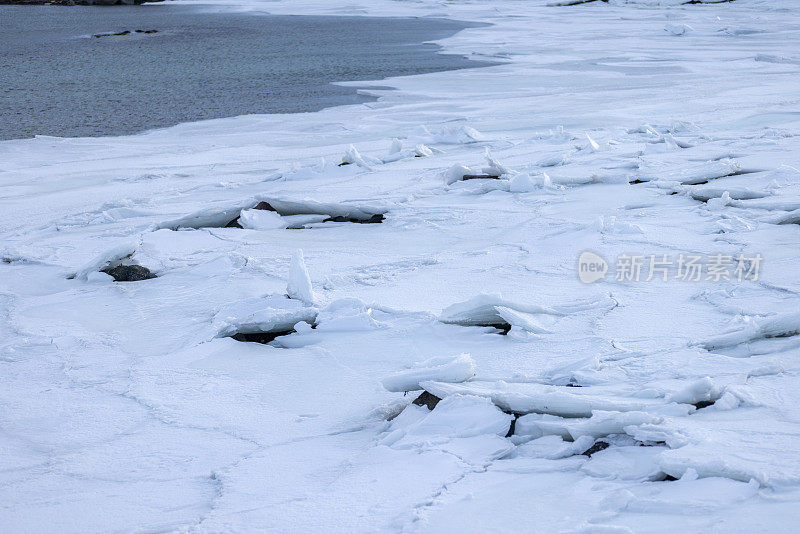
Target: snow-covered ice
[{"x": 624, "y": 128}]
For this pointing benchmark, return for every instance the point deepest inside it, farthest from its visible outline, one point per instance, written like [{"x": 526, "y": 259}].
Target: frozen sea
[{"x": 315, "y": 273}]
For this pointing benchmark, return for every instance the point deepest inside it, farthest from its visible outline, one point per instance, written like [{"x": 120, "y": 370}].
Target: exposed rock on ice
[
  {"x": 427, "y": 400},
  {"x": 129, "y": 273}
]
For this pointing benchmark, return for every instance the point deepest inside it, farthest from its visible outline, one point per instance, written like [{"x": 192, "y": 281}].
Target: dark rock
[
  {"x": 597, "y": 447},
  {"x": 427, "y": 399},
  {"x": 129, "y": 273}
]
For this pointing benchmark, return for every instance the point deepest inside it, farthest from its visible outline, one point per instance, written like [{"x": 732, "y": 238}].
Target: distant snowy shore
[{"x": 372, "y": 317}]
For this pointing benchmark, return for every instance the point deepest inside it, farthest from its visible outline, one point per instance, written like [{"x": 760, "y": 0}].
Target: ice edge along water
[{"x": 621, "y": 127}]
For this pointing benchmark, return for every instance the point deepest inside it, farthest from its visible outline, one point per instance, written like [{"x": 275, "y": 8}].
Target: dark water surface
[{"x": 56, "y": 79}]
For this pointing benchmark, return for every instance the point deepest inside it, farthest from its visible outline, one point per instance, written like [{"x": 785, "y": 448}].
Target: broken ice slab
[
  {"x": 339, "y": 212},
  {"x": 706, "y": 193},
  {"x": 441, "y": 369},
  {"x": 274, "y": 314},
  {"x": 104, "y": 260},
  {"x": 460, "y": 416},
  {"x": 525, "y": 398},
  {"x": 756, "y": 329},
  {"x": 210, "y": 217},
  {"x": 600, "y": 424},
  {"x": 269, "y": 213},
  {"x": 693, "y": 175},
  {"x": 492, "y": 310},
  {"x": 495, "y": 311},
  {"x": 275, "y": 213}
]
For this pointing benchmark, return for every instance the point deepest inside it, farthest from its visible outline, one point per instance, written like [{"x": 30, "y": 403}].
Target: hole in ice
[
  {"x": 374, "y": 219},
  {"x": 597, "y": 447},
  {"x": 262, "y": 337},
  {"x": 513, "y": 426},
  {"x": 704, "y": 404},
  {"x": 427, "y": 399},
  {"x": 663, "y": 477},
  {"x": 129, "y": 273},
  {"x": 566, "y": 3},
  {"x": 480, "y": 177},
  {"x": 501, "y": 328}
]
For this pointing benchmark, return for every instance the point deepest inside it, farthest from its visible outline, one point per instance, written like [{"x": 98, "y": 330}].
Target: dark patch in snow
[
  {"x": 513, "y": 426},
  {"x": 123, "y": 32},
  {"x": 597, "y": 447},
  {"x": 375, "y": 219},
  {"x": 427, "y": 399},
  {"x": 262, "y": 337},
  {"x": 704, "y": 404},
  {"x": 780, "y": 335},
  {"x": 663, "y": 477},
  {"x": 578, "y": 2},
  {"x": 129, "y": 273},
  {"x": 480, "y": 177},
  {"x": 501, "y": 328},
  {"x": 691, "y": 2}
]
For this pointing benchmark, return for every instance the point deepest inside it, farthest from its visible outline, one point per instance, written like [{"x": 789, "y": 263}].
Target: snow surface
[{"x": 632, "y": 126}]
